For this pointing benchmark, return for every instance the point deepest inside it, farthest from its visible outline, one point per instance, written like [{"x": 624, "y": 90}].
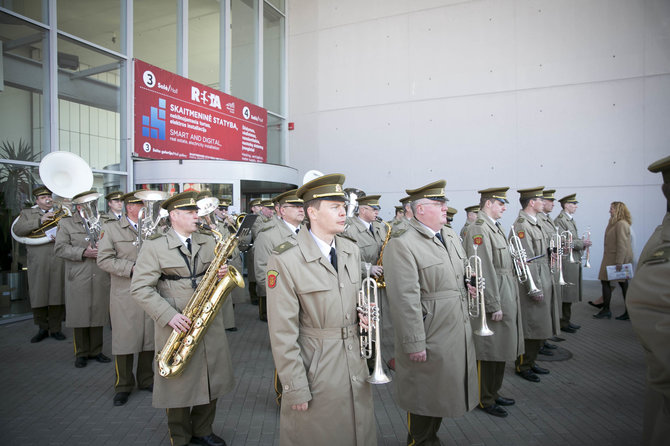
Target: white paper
[{"x": 626, "y": 272}]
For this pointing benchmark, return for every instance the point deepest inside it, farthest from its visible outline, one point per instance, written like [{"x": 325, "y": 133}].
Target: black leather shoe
[
  {"x": 231, "y": 329},
  {"x": 574, "y": 326},
  {"x": 596, "y": 305},
  {"x": 121, "y": 398},
  {"x": 58, "y": 336},
  {"x": 550, "y": 346},
  {"x": 149, "y": 388},
  {"x": 546, "y": 352},
  {"x": 100, "y": 358},
  {"x": 568, "y": 329},
  {"x": 623, "y": 317},
  {"x": 40, "y": 336},
  {"x": 80, "y": 362},
  {"x": 556, "y": 339},
  {"x": 502, "y": 401},
  {"x": 494, "y": 410},
  {"x": 528, "y": 375},
  {"x": 603, "y": 314},
  {"x": 539, "y": 370},
  {"x": 209, "y": 440}
]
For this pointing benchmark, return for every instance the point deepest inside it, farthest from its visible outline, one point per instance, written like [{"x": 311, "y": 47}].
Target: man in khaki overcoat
[
  {"x": 114, "y": 206},
  {"x": 537, "y": 313},
  {"x": 290, "y": 214},
  {"x": 648, "y": 303},
  {"x": 167, "y": 271},
  {"x": 470, "y": 218},
  {"x": 312, "y": 286},
  {"x": 133, "y": 330},
  {"x": 368, "y": 233},
  {"x": 572, "y": 264},
  {"x": 549, "y": 229},
  {"x": 86, "y": 287},
  {"x": 246, "y": 246},
  {"x": 435, "y": 363},
  {"x": 501, "y": 301},
  {"x": 45, "y": 270}
]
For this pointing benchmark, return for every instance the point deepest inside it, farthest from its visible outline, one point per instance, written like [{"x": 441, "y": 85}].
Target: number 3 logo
[{"x": 149, "y": 79}]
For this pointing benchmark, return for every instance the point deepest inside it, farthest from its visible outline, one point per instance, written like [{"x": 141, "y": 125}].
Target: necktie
[
  {"x": 372, "y": 231},
  {"x": 297, "y": 230},
  {"x": 439, "y": 237},
  {"x": 118, "y": 217},
  {"x": 333, "y": 258},
  {"x": 188, "y": 244}
]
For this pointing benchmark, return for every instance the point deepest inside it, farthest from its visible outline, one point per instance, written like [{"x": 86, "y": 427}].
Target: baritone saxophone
[{"x": 204, "y": 305}]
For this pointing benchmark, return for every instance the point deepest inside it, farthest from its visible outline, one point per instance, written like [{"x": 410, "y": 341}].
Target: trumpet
[
  {"x": 556, "y": 250},
  {"x": 368, "y": 304},
  {"x": 568, "y": 245},
  {"x": 521, "y": 266},
  {"x": 587, "y": 251},
  {"x": 476, "y": 308}
]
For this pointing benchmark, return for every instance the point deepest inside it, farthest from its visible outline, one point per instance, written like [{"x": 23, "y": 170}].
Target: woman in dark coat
[{"x": 618, "y": 250}]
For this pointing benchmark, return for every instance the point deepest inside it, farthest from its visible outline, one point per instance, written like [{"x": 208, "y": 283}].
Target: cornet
[
  {"x": 519, "y": 260},
  {"x": 587, "y": 252},
  {"x": 568, "y": 245},
  {"x": 473, "y": 270},
  {"x": 369, "y": 306}
]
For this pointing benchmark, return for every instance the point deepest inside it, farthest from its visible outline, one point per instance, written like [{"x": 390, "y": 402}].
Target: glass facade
[{"x": 65, "y": 77}]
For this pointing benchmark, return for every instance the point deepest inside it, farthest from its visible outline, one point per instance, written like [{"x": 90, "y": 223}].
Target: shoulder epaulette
[
  {"x": 155, "y": 236},
  {"x": 346, "y": 236},
  {"x": 398, "y": 233},
  {"x": 266, "y": 228},
  {"x": 283, "y": 247},
  {"x": 479, "y": 222},
  {"x": 660, "y": 255},
  {"x": 520, "y": 220}
]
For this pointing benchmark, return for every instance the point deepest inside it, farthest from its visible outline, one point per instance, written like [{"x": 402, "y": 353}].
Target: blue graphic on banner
[{"x": 154, "y": 126}]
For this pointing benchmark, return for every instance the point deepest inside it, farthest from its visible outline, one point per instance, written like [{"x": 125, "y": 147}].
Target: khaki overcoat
[
  {"x": 464, "y": 231},
  {"x": 429, "y": 307},
  {"x": 538, "y": 317},
  {"x": 312, "y": 319},
  {"x": 132, "y": 329},
  {"x": 45, "y": 269},
  {"x": 268, "y": 239},
  {"x": 549, "y": 230},
  {"x": 648, "y": 303},
  {"x": 572, "y": 272},
  {"x": 501, "y": 292},
  {"x": 617, "y": 247},
  {"x": 86, "y": 285},
  {"x": 227, "y": 309},
  {"x": 247, "y": 245},
  {"x": 209, "y": 374},
  {"x": 369, "y": 244}
]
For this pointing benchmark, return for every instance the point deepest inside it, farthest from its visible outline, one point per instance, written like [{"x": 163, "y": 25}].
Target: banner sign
[{"x": 176, "y": 118}]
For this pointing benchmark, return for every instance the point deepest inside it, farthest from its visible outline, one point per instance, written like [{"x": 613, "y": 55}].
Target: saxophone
[
  {"x": 203, "y": 306},
  {"x": 381, "y": 283}
]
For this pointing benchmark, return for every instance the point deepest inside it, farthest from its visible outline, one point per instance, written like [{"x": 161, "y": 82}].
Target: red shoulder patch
[
  {"x": 521, "y": 234},
  {"x": 477, "y": 239},
  {"x": 102, "y": 234},
  {"x": 272, "y": 278}
]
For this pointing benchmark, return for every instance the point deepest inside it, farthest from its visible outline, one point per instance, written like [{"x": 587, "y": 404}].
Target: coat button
[
  {"x": 346, "y": 316},
  {"x": 354, "y": 379},
  {"x": 341, "y": 285},
  {"x": 349, "y": 347},
  {"x": 286, "y": 387}
]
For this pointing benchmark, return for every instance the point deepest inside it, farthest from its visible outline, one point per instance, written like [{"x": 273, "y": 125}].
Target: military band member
[
  {"x": 228, "y": 225},
  {"x": 368, "y": 233},
  {"x": 45, "y": 270},
  {"x": 312, "y": 288},
  {"x": 403, "y": 223},
  {"x": 167, "y": 271},
  {"x": 536, "y": 311},
  {"x": 133, "y": 330},
  {"x": 435, "y": 363},
  {"x": 399, "y": 214},
  {"x": 268, "y": 219},
  {"x": 470, "y": 217},
  {"x": 114, "y": 206},
  {"x": 246, "y": 244},
  {"x": 86, "y": 287},
  {"x": 501, "y": 300},
  {"x": 648, "y": 303},
  {"x": 549, "y": 229},
  {"x": 450, "y": 216},
  {"x": 572, "y": 265}
]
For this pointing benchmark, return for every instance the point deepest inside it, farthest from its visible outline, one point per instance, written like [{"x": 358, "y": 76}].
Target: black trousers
[
  {"x": 566, "y": 313},
  {"x": 49, "y": 318},
  {"x": 87, "y": 341},
  {"x": 527, "y": 360},
  {"x": 491, "y": 374},
  {"x": 422, "y": 430},
  {"x": 607, "y": 292},
  {"x": 186, "y": 422},
  {"x": 125, "y": 379}
]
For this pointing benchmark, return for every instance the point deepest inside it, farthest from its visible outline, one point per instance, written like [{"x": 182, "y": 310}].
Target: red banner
[{"x": 176, "y": 118}]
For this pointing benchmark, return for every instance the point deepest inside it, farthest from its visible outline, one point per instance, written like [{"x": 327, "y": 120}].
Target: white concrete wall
[{"x": 573, "y": 95}]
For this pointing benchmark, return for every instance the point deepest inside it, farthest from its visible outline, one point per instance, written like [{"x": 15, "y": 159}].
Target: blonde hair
[{"x": 621, "y": 212}]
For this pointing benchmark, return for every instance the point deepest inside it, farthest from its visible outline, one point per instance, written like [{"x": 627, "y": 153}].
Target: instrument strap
[{"x": 190, "y": 270}]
